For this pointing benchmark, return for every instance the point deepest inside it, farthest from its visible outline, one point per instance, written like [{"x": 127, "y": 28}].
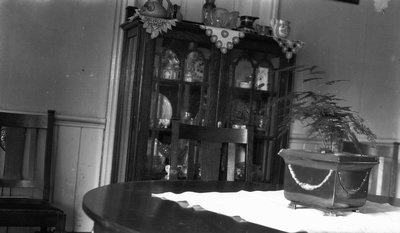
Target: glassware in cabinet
[{"x": 179, "y": 92}]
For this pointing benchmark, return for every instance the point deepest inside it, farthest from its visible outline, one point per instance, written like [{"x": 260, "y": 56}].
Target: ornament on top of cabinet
[
  {"x": 289, "y": 47},
  {"x": 207, "y": 8},
  {"x": 153, "y": 8},
  {"x": 247, "y": 22},
  {"x": 280, "y": 32},
  {"x": 263, "y": 30},
  {"x": 222, "y": 18},
  {"x": 223, "y": 38},
  {"x": 154, "y": 25},
  {"x": 280, "y": 28},
  {"x": 174, "y": 11}
]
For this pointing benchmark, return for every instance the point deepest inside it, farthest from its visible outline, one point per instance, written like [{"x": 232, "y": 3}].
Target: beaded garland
[
  {"x": 289, "y": 47},
  {"x": 305, "y": 186},
  {"x": 223, "y": 38}
]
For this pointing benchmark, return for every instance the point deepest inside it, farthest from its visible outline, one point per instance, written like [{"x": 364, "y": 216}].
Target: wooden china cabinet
[{"x": 182, "y": 75}]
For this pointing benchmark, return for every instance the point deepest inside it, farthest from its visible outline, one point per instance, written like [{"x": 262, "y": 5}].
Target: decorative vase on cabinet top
[
  {"x": 153, "y": 8},
  {"x": 207, "y": 7},
  {"x": 222, "y": 18},
  {"x": 280, "y": 28},
  {"x": 246, "y": 23}
]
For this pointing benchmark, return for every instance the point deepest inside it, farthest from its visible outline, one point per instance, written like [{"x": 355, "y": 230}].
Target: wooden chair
[
  {"x": 213, "y": 150},
  {"x": 26, "y": 172}
]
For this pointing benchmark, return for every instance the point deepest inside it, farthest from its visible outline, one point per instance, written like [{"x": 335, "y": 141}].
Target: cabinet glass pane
[
  {"x": 179, "y": 91},
  {"x": 191, "y": 112},
  {"x": 254, "y": 83}
]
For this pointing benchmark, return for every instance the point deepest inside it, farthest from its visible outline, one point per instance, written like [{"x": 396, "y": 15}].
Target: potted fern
[{"x": 328, "y": 178}]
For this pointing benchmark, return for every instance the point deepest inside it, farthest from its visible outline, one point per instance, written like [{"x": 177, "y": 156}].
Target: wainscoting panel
[
  {"x": 77, "y": 165},
  {"x": 66, "y": 163},
  {"x": 88, "y": 174},
  {"x": 78, "y": 155}
]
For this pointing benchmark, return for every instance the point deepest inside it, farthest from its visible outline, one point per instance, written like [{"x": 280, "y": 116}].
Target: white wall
[
  {"x": 356, "y": 43},
  {"x": 57, "y": 54}
]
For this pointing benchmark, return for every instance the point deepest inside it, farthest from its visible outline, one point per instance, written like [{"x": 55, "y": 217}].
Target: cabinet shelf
[
  {"x": 199, "y": 84},
  {"x": 156, "y": 129},
  {"x": 259, "y": 135},
  {"x": 169, "y": 82},
  {"x": 248, "y": 91}
]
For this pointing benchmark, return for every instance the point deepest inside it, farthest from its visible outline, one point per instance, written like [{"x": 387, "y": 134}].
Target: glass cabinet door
[
  {"x": 126, "y": 103},
  {"x": 253, "y": 82},
  {"x": 179, "y": 92}
]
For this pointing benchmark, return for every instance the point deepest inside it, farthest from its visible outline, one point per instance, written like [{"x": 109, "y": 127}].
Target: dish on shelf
[
  {"x": 164, "y": 111},
  {"x": 244, "y": 84}
]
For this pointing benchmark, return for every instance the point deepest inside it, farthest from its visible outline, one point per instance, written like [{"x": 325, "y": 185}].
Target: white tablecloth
[{"x": 271, "y": 209}]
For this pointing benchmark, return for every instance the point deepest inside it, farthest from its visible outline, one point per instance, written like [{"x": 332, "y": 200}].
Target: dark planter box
[{"x": 331, "y": 182}]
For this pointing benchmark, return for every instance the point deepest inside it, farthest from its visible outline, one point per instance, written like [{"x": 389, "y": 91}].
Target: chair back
[
  {"x": 210, "y": 152},
  {"x": 26, "y": 154}
]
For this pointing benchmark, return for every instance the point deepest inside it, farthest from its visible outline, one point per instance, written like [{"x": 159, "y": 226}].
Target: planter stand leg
[
  {"x": 332, "y": 213},
  {"x": 292, "y": 205}
]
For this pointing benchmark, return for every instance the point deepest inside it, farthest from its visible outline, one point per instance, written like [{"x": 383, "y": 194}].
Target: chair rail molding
[{"x": 77, "y": 121}]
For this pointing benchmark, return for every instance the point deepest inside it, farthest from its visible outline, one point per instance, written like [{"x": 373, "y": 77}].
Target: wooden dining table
[{"x": 130, "y": 207}]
